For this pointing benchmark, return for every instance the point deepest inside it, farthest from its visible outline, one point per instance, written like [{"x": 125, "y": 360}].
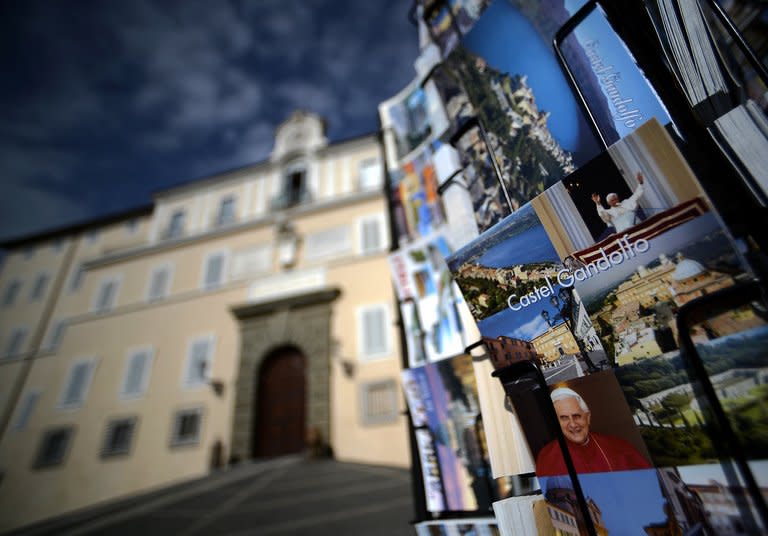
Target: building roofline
[
  {"x": 145, "y": 209},
  {"x": 68, "y": 230},
  {"x": 185, "y": 185}
]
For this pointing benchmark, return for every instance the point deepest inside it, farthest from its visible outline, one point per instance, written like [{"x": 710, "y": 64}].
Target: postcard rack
[{"x": 729, "y": 190}]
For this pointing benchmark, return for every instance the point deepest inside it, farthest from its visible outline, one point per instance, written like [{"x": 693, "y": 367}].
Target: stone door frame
[{"x": 302, "y": 321}]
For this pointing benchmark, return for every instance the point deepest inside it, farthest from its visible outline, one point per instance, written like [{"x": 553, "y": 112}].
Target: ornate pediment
[{"x": 302, "y": 133}]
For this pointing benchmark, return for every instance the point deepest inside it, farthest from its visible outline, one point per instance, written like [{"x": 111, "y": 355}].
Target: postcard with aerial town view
[
  {"x": 420, "y": 274},
  {"x": 480, "y": 180},
  {"x": 509, "y": 279},
  {"x": 443, "y": 395},
  {"x": 536, "y": 130}
]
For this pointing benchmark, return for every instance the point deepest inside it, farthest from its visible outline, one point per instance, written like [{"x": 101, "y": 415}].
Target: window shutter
[
  {"x": 135, "y": 373},
  {"x": 25, "y": 411},
  {"x": 10, "y": 293},
  {"x": 16, "y": 342},
  {"x": 198, "y": 362},
  {"x": 39, "y": 288},
  {"x": 214, "y": 271},
  {"x": 57, "y": 333},
  {"x": 106, "y": 296},
  {"x": 374, "y": 338},
  {"x": 78, "y": 379},
  {"x": 157, "y": 288},
  {"x": 371, "y": 231}
]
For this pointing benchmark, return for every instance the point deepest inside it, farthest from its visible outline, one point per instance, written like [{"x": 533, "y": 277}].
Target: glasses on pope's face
[{"x": 574, "y": 421}]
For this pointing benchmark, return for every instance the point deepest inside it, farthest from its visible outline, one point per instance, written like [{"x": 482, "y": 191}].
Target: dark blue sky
[{"x": 102, "y": 102}]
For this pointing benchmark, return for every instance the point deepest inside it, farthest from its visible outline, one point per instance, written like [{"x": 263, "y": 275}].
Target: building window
[
  {"x": 370, "y": 174},
  {"x": 106, "y": 295},
  {"x": 15, "y": 342},
  {"x": 159, "y": 283},
  {"x": 226, "y": 213},
  {"x": 175, "y": 225},
  {"x": 56, "y": 334},
  {"x": 78, "y": 382},
  {"x": 11, "y": 291},
  {"x": 77, "y": 278},
  {"x": 136, "y": 376},
  {"x": 294, "y": 190},
  {"x": 38, "y": 289},
  {"x": 379, "y": 402},
  {"x": 213, "y": 275},
  {"x": 54, "y": 446},
  {"x": 119, "y": 436},
  {"x": 199, "y": 361},
  {"x": 371, "y": 235},
  {"x": 131, "y": 226},
  {"x": 186, "y": 427},
  {"x": 25, "y": 410},
  {"x": 372, "y": 329},
  {"x": 92, "y": 236}
]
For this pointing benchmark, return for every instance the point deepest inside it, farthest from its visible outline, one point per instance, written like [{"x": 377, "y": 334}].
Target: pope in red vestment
[{"x": 591, "y": 452}]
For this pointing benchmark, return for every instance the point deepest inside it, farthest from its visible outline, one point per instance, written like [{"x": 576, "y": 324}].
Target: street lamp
[{"x": 564, "y": 303}]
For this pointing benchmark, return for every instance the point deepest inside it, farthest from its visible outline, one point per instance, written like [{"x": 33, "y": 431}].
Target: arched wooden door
[{"x": 280, "y": 404}]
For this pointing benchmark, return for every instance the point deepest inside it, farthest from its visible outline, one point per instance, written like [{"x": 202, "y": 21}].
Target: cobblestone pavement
[{"x": 282, "y": 497}]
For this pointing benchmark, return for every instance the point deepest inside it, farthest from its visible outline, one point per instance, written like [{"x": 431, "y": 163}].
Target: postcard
[
  {"x": 626, "y": 502},
  {"x": 537, "y": 130},
  {"x": 447, "y": 392},
  {"x": 416, "y": 206},
  {"x": 420, "y": 274}
]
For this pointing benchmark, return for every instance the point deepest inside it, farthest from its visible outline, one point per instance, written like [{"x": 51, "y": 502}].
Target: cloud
[{"x": 130, "y": 92}]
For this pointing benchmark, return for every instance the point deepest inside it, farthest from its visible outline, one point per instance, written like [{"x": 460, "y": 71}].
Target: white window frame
[
  {"x": 361, "y": 350},
  {"x": 176, "y": 422},
  {"x": 383, "y": 230},
  {"x": 117, "y": 280},
  {"x": 38, "y": 277},
  {"x": 7, "y": 350},
  {"x": 366, "y": 418},
  {"x": 187, "y": 381},
  {"x": 167, "y": 267},
  {"x": 25, "y": 409},
  {"x": 146, "y": 372},
  {"x": 63, "y": 404},
  {"x": 224, "y": 269}
]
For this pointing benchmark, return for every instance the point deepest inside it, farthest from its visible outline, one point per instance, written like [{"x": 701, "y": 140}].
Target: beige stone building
[
  {"x": 555, "y": 343},
  {"x": 239, "y": 316}
]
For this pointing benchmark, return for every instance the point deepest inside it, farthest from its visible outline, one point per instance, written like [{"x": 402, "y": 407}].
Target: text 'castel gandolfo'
[{"x": 567, "y": 278}]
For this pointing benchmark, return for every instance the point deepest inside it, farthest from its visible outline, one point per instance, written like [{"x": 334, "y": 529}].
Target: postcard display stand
[{"x": 577, "y": 196}]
